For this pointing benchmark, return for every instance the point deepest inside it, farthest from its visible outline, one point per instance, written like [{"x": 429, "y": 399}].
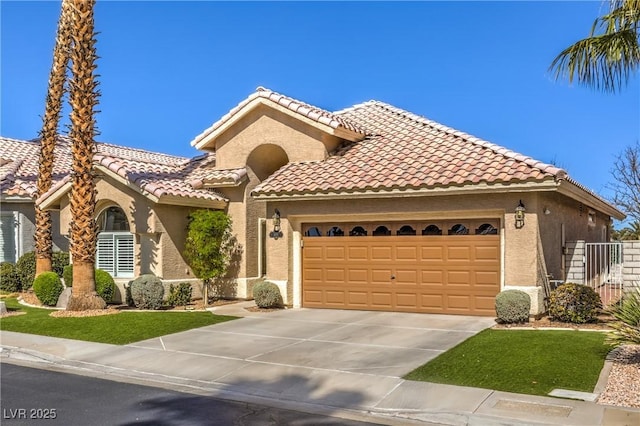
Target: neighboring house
[{"x": 371, "y": 207}]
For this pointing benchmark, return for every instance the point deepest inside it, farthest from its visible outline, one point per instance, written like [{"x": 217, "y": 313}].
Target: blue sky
[{"x": 168, "y": 70}]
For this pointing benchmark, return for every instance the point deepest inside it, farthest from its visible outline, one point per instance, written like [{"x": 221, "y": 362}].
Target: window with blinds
[
  {"x": 8, "y": 252},
  {"x": 115, "y": 253}
]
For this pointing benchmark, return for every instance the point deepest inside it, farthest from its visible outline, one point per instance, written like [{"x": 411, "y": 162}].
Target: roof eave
[
  {"x": 479, "y": 188},
  {"x": 572, "y": 190},
  {"x": 206, "y": 140},
  {"x": 192, "y": 202}
]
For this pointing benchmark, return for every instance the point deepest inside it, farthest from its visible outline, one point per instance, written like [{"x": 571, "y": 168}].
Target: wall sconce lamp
[
  {"x": 276, "y": 233},
  {"x": 520, "y": 215}
]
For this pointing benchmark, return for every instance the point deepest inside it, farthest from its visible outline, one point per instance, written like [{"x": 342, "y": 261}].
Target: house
[{"x": 371, "y": 207}]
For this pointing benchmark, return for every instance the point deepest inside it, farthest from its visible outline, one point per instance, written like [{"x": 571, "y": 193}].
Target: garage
[{"x": 448, "y": 267}]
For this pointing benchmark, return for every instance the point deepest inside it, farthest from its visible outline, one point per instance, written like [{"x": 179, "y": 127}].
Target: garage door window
[
  {"x": 406, "y": 230},
  {"x": 313, "y": 232},
  {"x": 381, "y": 231},
  {"x": 358, "y": 231},
  {"x": 335, "y": 232},
  {"x": 486, "y": 229},
  {"x": 459, "y": 229},
  {"x": 432, "y": 230}
]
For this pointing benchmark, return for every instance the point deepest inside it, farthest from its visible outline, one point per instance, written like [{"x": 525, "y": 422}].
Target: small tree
[
  {"x": 626, "y": 184},
  {"x": 209, "y": 246}
]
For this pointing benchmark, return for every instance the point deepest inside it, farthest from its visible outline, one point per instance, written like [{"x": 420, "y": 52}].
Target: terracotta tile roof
[
  {"x": 152, "y": 172},
  {"x": 300, "y": 108},
  {"x": 408, "y": 152}
]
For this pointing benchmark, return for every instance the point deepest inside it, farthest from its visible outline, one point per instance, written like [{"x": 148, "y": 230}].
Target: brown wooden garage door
[{"x": 442, "y": 271}]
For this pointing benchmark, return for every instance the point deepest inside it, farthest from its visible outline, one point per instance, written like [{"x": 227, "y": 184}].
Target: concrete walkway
[{"x": 341, "y": 363}]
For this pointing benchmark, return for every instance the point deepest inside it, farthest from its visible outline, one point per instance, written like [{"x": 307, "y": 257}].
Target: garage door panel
[
  {"x": 381, "y": 253},
  {"x": 432, "y": 253},
  {"x": 335, "y": 297},
  {"x": 334, "y": 253},
  {"x": 358, "y": 253},
  {"x": 434, "y": 274},
  {"x": 407, "y": 300},
  {"x": 381, "y": 299}
]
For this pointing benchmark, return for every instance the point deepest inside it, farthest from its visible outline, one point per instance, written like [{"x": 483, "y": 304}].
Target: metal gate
[{"x": 603, "y": 270}]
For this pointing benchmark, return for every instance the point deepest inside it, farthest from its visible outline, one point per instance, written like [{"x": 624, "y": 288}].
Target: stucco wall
[
  {"x": 266, "y": 126},
  {"x": 26, "y": 227},
  {"x": 564, "y": 212}
]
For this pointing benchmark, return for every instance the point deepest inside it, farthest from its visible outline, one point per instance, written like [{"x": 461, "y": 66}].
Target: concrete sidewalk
[{"x": 268, "y": 370}]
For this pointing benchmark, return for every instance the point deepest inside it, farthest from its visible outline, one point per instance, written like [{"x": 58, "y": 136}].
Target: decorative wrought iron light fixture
[
  {"x": 520, "y": 215},
  {"x": 277, "y": 232}
]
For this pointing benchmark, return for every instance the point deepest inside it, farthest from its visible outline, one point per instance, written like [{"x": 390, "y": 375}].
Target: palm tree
[
  {"x": 48, "y": 134},
  {"x": 631, "y": 232},
  {"x": 610, "y": 55},
  {"x": 83, "y": 97}
]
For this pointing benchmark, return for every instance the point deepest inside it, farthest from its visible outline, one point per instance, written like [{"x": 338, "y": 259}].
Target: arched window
[
  {"x": 112, "y": 219},
  {"x": 115, "y": 249},
  {"x": 486, "y": 229},
  {"x": 313, "y": 232},
  {"x": 406, "y": 230},
  {"x": 459, "y": 229},
  {"x": 432, "y": 230},
  {"x": 381, "y": 231},
  {"x": 358, "y": 231},
  {"x": 335, "y": 232}
]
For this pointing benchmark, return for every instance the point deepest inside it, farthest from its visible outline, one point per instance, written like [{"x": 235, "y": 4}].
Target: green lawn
[
  {"x": 521, "y": 361},
  {"x": 119, "y": 329}
]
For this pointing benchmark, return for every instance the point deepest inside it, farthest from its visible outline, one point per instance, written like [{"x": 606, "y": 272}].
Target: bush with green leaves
[
  {"x": 26, "y": 266},
  {"x": 179, "y": 295},
  {"x": 9, "y": 280},
  {"x": 626, "y": 328},
  {"x": 147, "y": 292},
  {"x": 574, "y": 303},
  {"x": 267, "y": 295},
  {"x": 512, "y": 306},
  {"x": 59, "y": 259},
  {"x": 47, "y": 287},
  {"x": 105, "y": 286},
  {"x": 26, "y": 269},
  {"x": 67, "y": 275}
]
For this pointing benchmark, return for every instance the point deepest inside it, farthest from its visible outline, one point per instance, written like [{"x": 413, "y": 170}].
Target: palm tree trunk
[
  {"x": 83, "y": 97},
  {"x": 53, "y": 108}
]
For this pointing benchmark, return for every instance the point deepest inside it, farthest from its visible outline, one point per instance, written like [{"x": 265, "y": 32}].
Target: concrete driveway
[{"x": 379, "y": 343}]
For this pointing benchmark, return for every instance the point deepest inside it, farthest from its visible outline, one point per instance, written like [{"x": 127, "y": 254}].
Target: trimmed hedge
[
  {"x": 147, "y": 292},
  {"x": 47, "y": 287},
  {"x": 67, "y": 275},
  {"x": 574, "y": 303},
  {"x": 9, "y": 280},
  {"x": 105, "y": 286},
  {"x": 513, "y": 306},
  {"x": 179, "y": 295},
  {"x": 267, "y": 295}
]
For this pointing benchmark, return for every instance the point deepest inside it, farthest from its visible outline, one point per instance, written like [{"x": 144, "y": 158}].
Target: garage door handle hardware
[{"x": 393, "y": 277}]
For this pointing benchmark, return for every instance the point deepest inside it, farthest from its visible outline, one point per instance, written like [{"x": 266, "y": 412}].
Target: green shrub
[
  {"x": 47, "y": 287},
  {"x": 512, "y": 306},
  {"x": 147, "y": 292},
  {"x": 179, "y": 295},
  {"x": 267, "y": 295},
  {"x": 67, "y": 275},
  {"x": 9, "y": 280},
  {"x": 626, "y": 328},
  {"x": 105, "y": 286},
  {"x": 59, "y": 259},
  {"x": 574, "y": 303},
  {"x": 26, "y": 269}
]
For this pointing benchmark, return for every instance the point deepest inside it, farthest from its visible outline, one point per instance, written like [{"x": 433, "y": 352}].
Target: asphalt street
[{"x": 30, "y": 396}]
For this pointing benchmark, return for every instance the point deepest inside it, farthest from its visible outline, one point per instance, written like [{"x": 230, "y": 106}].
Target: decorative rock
[
  {"x": 3, "y": 308},
  {"x": 63, "y": 300}
]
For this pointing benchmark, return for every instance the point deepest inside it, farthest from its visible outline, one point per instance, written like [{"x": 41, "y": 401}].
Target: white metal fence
[{"x": 603, "y": 268}]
